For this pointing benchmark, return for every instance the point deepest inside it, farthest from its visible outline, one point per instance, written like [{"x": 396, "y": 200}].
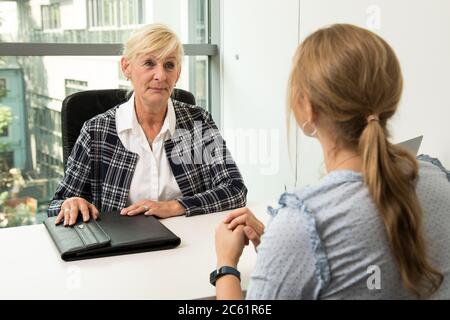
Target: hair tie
[{"x": 373, "y": 117}]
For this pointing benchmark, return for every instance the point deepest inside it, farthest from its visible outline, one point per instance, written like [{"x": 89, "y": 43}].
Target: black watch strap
[{"x": 216, "y": 274}]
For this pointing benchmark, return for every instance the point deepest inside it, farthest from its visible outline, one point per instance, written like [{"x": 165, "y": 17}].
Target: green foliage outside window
[{"x": 6, "y": 118}]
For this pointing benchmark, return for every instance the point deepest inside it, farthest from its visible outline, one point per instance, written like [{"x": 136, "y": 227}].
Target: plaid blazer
[{"x": 100, "y": 169}]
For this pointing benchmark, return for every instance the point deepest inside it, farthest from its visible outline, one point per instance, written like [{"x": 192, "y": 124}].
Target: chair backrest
[{"x": 82, "y": 106}]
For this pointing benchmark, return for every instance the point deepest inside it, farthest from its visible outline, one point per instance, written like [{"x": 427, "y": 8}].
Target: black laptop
[{"x": 112, "y": 234}]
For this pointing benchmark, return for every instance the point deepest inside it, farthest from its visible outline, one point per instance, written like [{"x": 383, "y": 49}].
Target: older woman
[
  {"x": 137, "y": 157},
  {"x": 376, "y": 226}
]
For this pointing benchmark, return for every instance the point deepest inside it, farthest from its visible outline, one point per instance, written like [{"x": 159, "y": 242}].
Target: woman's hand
[
  {"x": 70, "y": 209},
  {"x": 160, "y": 209},
  {"x": 229, "y": 245},
  {"x": 253, "y": 228}
]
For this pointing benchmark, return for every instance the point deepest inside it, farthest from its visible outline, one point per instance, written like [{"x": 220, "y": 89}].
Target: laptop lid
[
  {"x": 112, "y": 234},
  {"x": 134, "y": 234},
  {"x": 412, "y": 144}
]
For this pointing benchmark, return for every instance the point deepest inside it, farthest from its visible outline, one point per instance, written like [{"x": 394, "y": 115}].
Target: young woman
[{"x": 377, "y": 225}]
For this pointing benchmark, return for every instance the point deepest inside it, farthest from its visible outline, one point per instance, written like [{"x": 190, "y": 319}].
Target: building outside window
[
  {"x": 73, "y": 86},
  {"x": 2, "y": 88},
  {"x": 4, "y": 132},
  {"x": 50, "y": 16},
  {"x": 4, "y": 127},
  {"x": 7, "y": 160},
  {"x": 131, "y": 12},
  {"x": 102, "y": 13},
  {"x": 115, "y": 13}
]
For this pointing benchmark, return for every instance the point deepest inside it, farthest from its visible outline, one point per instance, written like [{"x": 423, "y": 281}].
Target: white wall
[
  {"x": 419, "y": 32},
  {"x": 264, "y": 36},
  {"x": 258, "y": 41}
]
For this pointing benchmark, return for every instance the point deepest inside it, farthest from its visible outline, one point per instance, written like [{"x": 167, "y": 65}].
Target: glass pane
[
  {"x": 32, "y": 90},
  {"x": 99, "y": 21}
]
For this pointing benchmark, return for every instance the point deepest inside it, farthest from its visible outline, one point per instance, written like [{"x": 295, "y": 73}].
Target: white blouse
[{"x": 153, "y": 178}]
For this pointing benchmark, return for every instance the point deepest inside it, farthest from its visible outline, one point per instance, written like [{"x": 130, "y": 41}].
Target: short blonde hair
[{"x": 153, "y": 38}]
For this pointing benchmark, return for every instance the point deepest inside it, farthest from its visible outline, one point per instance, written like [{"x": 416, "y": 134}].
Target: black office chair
[{"x": 82, "y": 106}]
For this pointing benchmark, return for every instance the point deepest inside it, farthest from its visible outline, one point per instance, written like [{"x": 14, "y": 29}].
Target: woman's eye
[
  {"x": 170, "y": 65},
  {"x": 149, "y": 63}
]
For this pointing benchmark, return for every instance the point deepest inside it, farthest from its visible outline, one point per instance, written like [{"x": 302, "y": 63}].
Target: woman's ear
[
  {"x": 125, "y": 66},
  {"x": 309, "y": 111}
]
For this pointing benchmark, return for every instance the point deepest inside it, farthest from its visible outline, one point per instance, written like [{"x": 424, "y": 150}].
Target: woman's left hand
[
  {"x": 229, "y": 245},
  {"x": 160, "y": 209}
]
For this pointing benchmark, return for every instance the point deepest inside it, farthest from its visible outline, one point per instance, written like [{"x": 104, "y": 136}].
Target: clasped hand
[{"x": 236, "y": 231}]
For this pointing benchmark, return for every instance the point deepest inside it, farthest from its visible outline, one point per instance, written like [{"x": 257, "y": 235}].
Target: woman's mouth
[{"x": 157, "y": 89}]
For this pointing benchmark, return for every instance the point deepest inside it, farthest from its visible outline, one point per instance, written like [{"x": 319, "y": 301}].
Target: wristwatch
[{"x": 216, "y": 274}]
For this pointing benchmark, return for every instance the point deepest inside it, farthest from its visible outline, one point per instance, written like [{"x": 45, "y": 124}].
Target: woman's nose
[{"x": 160, "y": 73}]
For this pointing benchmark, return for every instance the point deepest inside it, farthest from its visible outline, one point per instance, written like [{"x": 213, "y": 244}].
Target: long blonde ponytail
[{"x": 390, "y": 174}]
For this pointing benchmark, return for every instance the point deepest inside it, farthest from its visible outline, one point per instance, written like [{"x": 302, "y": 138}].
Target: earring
[{"x": 314, "y": 131}]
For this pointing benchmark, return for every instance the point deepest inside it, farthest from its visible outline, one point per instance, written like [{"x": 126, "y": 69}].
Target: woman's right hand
[
  {"x": 253, "y": 228},
  {"x": 70, "y": 209}
]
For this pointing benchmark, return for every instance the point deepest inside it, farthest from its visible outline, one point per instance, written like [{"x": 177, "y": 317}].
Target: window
[
  {"x": 6, "y": 163},
  {"x": 115, "y": 13},
  {"x": 70, "y": 67},
  {"x": 2, "y": 88},
  {"x": 131, "y": 12},
  {"x": 200, "y": 75},
  {"x": 107, "y": 21},
  {"x": 73, "y": 86},
  {"x": 198, "y": 13},
  {"x": 4, "y": 117},
  {"x": 50, "y": 16},
  {"x": 4, "y": 132},
  {"x": 102, "y": 13}
]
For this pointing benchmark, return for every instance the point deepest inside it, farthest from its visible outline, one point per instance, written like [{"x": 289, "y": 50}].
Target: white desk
[{"x": 31, "y": 267}]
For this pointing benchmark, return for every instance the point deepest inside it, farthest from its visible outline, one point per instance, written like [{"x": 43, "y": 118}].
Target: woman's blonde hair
[
  {"x": 349, "y": 73},
  {"x": 153, "y": 38}
]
